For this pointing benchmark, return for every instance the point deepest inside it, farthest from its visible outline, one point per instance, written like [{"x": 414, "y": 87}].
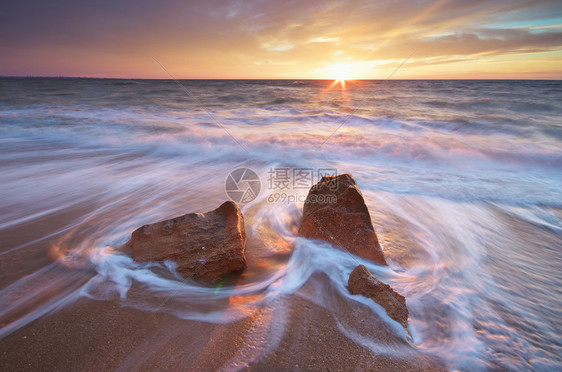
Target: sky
[{"x": 282, "y": 39}]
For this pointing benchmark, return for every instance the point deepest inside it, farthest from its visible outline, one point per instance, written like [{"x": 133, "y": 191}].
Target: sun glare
[
  {"x": 341, "y": 74},
  {"x": 341, "y": 82}
]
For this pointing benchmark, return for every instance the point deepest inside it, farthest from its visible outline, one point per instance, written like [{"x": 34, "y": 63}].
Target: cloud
[
  {"x": 324, "y": 39},
  {"x": 486, "y": 41},
  {"x": 236, "y": 38}
]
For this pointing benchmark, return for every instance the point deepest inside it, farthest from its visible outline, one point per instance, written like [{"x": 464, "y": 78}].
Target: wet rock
[
  {"x": 335, "y": 211},
  {"x": 205, "y": 246},
  {"x": 362, "y": 282}
]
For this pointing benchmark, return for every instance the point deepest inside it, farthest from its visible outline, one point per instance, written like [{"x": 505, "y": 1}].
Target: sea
[{"x": 463, "y": 180}]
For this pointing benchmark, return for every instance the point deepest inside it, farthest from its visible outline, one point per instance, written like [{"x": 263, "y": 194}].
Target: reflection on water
[{"x": 462, "y": 180}]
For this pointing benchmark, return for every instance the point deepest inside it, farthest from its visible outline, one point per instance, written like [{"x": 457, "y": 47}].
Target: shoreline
[{"x": 102, "y": 335}]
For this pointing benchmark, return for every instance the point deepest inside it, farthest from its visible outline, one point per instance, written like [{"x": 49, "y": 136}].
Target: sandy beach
[{"x": 101, "y": 335}]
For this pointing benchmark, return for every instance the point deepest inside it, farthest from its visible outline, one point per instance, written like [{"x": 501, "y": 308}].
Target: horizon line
[{"x": 260, "y": 79}]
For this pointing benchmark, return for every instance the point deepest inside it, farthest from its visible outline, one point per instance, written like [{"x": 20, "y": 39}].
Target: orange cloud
[{"x": 288, "y": 39}]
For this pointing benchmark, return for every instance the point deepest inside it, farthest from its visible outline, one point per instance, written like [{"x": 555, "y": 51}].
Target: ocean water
[{"x": 463, "y": 181}]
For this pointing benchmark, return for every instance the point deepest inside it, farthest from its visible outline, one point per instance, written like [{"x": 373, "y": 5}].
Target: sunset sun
[{"x": 340, "y": 73}]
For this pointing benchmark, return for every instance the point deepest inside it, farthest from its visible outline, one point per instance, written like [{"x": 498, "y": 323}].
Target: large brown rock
[
  {"x": 205, "y": 246},
  {"x": 335, "y": 211},
  {"x": 362, "y": 282}
]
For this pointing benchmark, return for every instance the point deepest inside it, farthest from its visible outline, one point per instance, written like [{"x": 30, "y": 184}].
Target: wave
[
  {"x": 466, "y": 206},
  {"x": 434, "y": 247},
  {"x": 428, "y": 158}
]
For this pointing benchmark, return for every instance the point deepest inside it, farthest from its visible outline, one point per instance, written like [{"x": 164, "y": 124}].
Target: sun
[{"x": 341, "y": 73}]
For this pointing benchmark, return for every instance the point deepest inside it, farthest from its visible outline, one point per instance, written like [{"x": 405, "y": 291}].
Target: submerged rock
[
  {"x": 361, "y": 281},
  {"x": 335, "y": 211},
  {"x": 204, "y": 245}
]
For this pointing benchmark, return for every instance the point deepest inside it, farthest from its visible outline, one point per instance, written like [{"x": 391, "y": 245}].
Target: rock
[
  {"x": 205, "y": 246},
  {"x": 362, "y": 282},
  {"x": 335, "y": 211}
]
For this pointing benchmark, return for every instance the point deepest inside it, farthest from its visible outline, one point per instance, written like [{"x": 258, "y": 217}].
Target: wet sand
[
  {"x": 290, "y": 333},
  {"x": 102, "y": 335}
]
